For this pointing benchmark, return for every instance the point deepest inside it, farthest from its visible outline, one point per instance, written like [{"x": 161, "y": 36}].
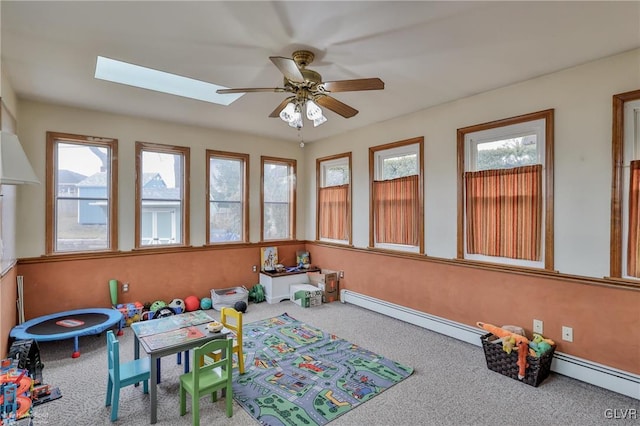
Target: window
[
  {"x": 82, "y": 193},
  {"x": 625, "y": 196},
  {"x": 228, "y": 206},
  {"x": 333, "y": 206},
  {"x": 162, "y": 195},
  {"x": 278, "y": 198},
  {"x": 396, "y": 219},
  {"x": 505, "y": 172}
]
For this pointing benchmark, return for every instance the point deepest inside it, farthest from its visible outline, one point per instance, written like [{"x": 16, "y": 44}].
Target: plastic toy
[
  {"x": 177, "y": 305},
  {"x": 256, "y": 294},
  {"x": 192, "y": 303},
  {"x": 164, "y": 312},
  {"x": 206, "y": 303},
  {"x": 158, "y": 304},
  {"x": 14, "y": 404}
]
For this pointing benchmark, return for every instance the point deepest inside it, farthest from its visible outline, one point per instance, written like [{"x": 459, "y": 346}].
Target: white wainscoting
[{"x": 587, "y": 371}]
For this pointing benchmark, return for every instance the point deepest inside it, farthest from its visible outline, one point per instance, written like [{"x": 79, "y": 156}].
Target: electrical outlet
[
  {"x": 341, "y": 274},
  {"x": 537, "y": 326},
  {"x": 567, "y": 333},
  {"x": 125, "y": 287},
  {"x": 254, "y": 268}
]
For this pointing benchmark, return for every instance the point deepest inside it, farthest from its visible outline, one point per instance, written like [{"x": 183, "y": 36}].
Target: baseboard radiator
[{"x": 580, "y": 369}]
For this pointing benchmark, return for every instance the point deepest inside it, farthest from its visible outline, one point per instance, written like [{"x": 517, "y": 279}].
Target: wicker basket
[{"x": 500, "y": 361}]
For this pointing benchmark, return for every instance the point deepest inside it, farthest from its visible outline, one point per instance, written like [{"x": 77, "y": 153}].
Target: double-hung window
[
  {"x": 82, "y": 193},
  {"x": 333, "y": 177},
  {"x": 505, "y": 191},
  {"x": 396, "y": 219},
  {"x": 228, "y": 206},
  {"x": 625, "y": 197},
  {"x": 162, "y": 195},
  {"x": 278, "y": 198}
]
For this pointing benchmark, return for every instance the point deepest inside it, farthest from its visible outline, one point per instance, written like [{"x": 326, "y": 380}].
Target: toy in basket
[
  {"x": 517, "y": 357},
  {"x": 227, "y": 297}
]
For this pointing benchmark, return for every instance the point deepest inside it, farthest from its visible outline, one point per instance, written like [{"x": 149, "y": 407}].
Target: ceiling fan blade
[
  {"x": 353, "y": 85},
  {"x": 336, "y": 106},
  {"x": 276, "y": 112},
  {"x": 250, "y": 89},
  {"x": 288, "y": 67}
]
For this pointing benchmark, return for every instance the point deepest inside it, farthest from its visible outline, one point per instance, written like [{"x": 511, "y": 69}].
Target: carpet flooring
[{"x": 450, "y": 385}]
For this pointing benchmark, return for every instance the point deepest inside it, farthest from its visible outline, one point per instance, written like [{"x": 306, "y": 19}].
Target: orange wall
[
  {"x": 8, "y": 309},
  {"x": 59, "y": 285},
  {"x": 605, "y": 320}
]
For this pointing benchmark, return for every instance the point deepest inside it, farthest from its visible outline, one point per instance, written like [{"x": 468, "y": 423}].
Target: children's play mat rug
[{"x": 296, "y": 374}]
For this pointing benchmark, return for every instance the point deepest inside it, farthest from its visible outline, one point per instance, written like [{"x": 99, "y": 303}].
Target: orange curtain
[
  {"x": 333, "y": 212},
  {"x": 633, "y": 260},
  {"x": 396, "y": 210},
  {"x": 504, "y": 212}
]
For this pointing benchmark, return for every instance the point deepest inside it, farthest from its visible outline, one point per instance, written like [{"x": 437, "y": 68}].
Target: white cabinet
[{"x": 276, "y": 286}]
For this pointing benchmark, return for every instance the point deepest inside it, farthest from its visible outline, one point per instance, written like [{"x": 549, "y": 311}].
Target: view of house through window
[
  {"x": 278, "y": 198},
  {"x": 82, "y": 187},
  {"x": 161, "y": 194},
  {"x": 227, "y": 196}
]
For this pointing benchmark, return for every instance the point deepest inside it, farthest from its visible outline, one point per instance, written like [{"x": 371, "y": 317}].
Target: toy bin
[
  {"x": 227, "y": 297},
  {"x": 501, "y": 362}
]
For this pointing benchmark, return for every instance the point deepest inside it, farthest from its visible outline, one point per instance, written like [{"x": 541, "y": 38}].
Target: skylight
[{"x": 147, "y": 78}]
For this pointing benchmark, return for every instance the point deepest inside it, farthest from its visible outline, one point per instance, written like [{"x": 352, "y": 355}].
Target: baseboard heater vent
[{"x": 568, "y": 365}]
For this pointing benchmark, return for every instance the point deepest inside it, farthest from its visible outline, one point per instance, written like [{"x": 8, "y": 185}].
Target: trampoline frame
[{"x": 114, "y": 317}]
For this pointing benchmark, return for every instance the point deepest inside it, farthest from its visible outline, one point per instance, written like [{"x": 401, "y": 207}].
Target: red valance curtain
[
  {"x": 633, "y": 260},
  {"x": 396, "y": 210},
  {"x": 504, "y": 212},
  {"x": 333, "y": 212}
]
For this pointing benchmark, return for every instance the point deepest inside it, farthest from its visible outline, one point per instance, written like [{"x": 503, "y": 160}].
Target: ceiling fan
[{"x": 309, "y": 91}]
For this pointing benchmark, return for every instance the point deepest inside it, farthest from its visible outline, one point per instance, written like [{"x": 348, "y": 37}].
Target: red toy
[{"x": 192, "y": 303}]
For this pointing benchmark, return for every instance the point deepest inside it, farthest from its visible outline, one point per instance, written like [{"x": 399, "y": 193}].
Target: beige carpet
[{"x": 451, "y": 384}]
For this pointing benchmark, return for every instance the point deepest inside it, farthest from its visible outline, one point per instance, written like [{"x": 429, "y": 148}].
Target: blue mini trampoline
[{"x": 67, "y": 325}]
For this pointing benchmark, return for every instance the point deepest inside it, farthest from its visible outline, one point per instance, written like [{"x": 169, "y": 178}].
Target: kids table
[{"x": 170, "y": 335}]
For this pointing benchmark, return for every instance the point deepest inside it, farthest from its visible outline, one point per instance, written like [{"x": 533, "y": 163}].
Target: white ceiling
[{"x": 427, "y": 53}]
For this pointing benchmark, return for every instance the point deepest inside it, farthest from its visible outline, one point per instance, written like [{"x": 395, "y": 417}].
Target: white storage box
[
  {"x": 227, "y": 297},
  {"x": 305, "y": 295}
]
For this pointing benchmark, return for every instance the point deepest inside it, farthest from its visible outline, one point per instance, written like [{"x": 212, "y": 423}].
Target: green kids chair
[{"x": 208, "y": 378}]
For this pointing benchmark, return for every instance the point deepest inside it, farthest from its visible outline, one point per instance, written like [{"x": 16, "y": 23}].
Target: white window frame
[{"x": 472, "y": 141}]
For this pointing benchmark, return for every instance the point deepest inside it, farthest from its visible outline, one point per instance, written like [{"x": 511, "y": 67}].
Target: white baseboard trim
[{"x": 584, "y": 370}]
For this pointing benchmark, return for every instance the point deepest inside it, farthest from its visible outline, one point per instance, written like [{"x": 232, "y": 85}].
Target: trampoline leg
[
  {"x": 120, "y": 327},
  {"x": 76, "y": 352}
]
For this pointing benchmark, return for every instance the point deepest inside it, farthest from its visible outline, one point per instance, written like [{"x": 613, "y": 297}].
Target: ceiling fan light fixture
[
  {"x": 313, "y": 110},
  {"x": 287, "y": 114},
  {"x": 320, "y": 120},
  {"x": 296, "y": 121}
]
